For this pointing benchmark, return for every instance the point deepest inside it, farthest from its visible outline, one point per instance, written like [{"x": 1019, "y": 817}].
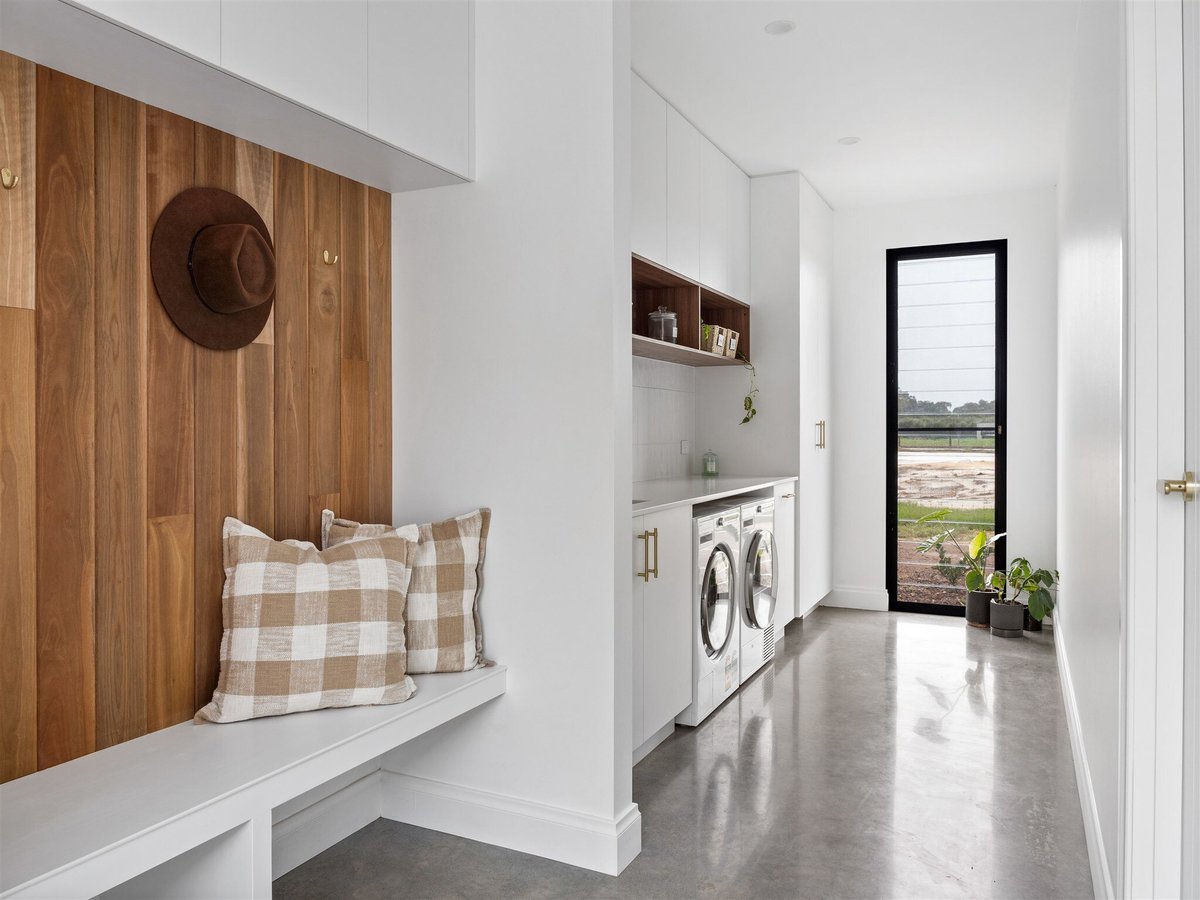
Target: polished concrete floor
[{"x": 883, "y": 755}]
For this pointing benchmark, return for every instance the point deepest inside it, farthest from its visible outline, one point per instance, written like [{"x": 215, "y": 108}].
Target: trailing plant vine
[{"x": 748, "y": 403}]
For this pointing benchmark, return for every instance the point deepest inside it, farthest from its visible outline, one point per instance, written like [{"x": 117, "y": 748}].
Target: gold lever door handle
[
  {"x": 1187, "y": 486},
  {"x": 644, "y": 537}
]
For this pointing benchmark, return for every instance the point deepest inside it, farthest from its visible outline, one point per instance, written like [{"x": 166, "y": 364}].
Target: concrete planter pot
[
  {"x": 1008, "y": 619},
  {"x": 979, "y": 607}
]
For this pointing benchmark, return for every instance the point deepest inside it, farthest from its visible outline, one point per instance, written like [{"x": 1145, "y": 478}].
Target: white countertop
[{"x": 663, "y": 493}]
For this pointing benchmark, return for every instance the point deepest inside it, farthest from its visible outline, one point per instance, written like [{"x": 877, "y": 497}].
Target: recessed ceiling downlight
[
  {"x": 848, "y": 140},
  {"x": 779, "y": 26}
]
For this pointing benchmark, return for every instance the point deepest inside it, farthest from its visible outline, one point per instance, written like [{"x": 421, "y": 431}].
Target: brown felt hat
[{"x": 214, "y": 267}]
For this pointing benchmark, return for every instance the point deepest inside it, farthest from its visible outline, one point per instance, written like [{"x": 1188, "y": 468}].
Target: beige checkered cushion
[
  {"x": 307, "y": 629},
  {"x": 444, "y": 632}
]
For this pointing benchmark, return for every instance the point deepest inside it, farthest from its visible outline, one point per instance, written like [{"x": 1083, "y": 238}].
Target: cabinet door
[
  {"x": 193, "y": 26},
  {"x": 738, "y": 198},
  {"x": 785, "y": 555},
  {"x": 418, "y": 78},
  {"x": 648, "y": 216},
  {"x": 714, "y": 217},
  {"x": 639, "y": 527},
  {"x": 310, "y": 51},
  {"x": 815, "y": 516},
  {"x": 683, "y": 195},
  {"x": 667, "y": 621}
]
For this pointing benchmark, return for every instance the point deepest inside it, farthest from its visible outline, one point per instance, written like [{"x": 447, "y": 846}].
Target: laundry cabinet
[
  {"x": 785, "y": 556},
  {"x": 662, "y": 620},
  {"x": 193, "y": 26}
]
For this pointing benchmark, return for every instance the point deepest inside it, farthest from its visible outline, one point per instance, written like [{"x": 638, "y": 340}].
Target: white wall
[
  {"x": 861, "y": 238},
  {"x": 512, "y": 389},
  {"x": 664, "y": 413},
  {"x": 1090, "y": 341}
]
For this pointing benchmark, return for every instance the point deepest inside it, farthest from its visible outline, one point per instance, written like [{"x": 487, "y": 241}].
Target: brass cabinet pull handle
[
  {"x": 654, "y": 571},
  {"x": 9, "y": 178},
  {"x": 821, "y": 435},
  {"x": 644, "y": 537}
]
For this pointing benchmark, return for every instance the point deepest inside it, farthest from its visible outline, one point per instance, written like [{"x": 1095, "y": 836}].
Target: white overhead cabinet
[
  {"x": 683, "y": 195},
  {"x": 662, "y": 620},
  {"x": 649, "y": 176},
  {"x": 691, "y": 204},
  {"x": 193, "y": 26},
  {"x": 310, "y": 51},
  {"x": 419, "y": 78}
]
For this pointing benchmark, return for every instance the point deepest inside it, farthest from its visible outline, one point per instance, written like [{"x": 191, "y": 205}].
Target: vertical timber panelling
[
  {"x": 170, "y": 453},
  {"x": 324, "y": 343},
  {"x": 291, "y": 350},
  {"x": 216, "y": 444},
  {"x": 18, "y": 545},
  {"x": 123, "y": 445},
  {"x": 379, "y": 354},
  {"x": 18, "y": 79},
  {"x": 121, "y": 276},
  {"x": 18, "y": 448},
  {"x": 66, "y": 220},
  {"x": 355, "y": 481},
  {"x": 255, "y": 182}
]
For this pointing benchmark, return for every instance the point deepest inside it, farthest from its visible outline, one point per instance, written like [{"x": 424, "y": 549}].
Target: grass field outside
[{"x": 952, "y": 441}]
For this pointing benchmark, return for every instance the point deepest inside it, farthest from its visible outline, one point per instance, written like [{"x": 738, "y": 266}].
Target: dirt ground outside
[{"x": 939, "y": 479}]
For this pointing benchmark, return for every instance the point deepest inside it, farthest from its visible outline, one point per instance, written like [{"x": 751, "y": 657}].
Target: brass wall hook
[
  {"x": 8, "y": 178},
  {"x": 328, "y": 260}
]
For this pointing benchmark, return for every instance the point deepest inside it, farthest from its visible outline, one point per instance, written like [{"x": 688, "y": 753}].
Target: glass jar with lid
[{"x": 664, "y": 325}]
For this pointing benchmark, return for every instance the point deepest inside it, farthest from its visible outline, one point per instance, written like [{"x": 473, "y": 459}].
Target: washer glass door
[
  {"x": 760, "y": 579},
  {"x": 716, "y": 602}
]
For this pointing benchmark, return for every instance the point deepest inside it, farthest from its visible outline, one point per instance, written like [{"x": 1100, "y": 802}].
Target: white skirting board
[
  {"x": 655, "y": 739},
  {"x": 313, "y": 829},
  {"x": 857, "y": 598},
  {"x": 1102, "y": 885},
  {"x": 578, "y": 839}
]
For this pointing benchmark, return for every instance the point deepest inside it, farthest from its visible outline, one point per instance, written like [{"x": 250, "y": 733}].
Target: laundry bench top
[{"x": 93, "y": 823}]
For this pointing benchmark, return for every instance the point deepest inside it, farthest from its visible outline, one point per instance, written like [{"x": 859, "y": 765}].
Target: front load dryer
[
  {"x": 716, "y": 625},
  {"x": 757, "y": 590}
]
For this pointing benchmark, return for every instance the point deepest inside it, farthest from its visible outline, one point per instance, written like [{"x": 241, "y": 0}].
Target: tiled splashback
[{"x": 664, "y": 413}]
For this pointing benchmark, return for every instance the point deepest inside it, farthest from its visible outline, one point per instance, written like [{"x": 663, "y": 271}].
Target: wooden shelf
[
  {"x": 692, "y": 303},
  {"x": 677, "y": 353}
]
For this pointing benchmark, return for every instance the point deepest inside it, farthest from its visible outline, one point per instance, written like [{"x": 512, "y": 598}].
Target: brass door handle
[
  {"x": 644, "y": 537},
  {"x": 653, "y": 571},
  {"x": 820, "y": 444},
  {"x": 1187, "y": 486}
]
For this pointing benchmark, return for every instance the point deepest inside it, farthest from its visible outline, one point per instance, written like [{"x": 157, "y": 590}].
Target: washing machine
[
  {"x": 757, "y": 590},
  {"x": 716, "y": 625}
]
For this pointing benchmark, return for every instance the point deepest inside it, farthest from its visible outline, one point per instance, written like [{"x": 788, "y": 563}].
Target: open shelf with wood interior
[{"x": 693, "y": 304}]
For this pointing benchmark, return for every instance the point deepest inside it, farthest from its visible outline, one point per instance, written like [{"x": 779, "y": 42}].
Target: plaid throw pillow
[
  {"x": 308, "y": 629},
  {"x": 444, "y": 632}
]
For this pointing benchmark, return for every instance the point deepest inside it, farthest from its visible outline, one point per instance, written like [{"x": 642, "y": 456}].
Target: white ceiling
[{"x": 950, "y": 97}]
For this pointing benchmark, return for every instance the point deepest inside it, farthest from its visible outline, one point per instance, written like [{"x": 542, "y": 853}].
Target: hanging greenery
[{"x": 748, "y": 403}]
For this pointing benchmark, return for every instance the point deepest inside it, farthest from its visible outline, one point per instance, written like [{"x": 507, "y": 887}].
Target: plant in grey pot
[
  {"x": 982, "y": 589},
  {"x": 1023, "y": 578}
]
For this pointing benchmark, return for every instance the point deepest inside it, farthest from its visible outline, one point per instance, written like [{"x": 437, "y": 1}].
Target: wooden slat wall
[{"x": 123, "y": 445}]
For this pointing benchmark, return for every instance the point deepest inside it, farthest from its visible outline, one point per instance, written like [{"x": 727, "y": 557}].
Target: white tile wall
[{"x": 664, "y": 413}]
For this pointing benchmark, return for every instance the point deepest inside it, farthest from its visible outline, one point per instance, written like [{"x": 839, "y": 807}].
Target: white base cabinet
[
  {"x": 785, "y": 556},
  {"x": 662, "y": 620}
]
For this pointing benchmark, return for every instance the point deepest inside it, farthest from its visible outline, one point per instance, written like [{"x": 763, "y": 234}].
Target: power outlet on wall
[{"x": 685, "y": 447}]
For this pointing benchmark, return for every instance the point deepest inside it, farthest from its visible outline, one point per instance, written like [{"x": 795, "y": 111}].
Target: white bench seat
[{"x": 86, "y": 826}]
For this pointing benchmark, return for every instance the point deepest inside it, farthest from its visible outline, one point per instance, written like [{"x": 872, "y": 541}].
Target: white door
[
  {"x": 1160, "y": 431},
  {"x": 714, "y": 217},
  {"x": 667, "y": 619},
  {"x": 1191, "y": 97}
]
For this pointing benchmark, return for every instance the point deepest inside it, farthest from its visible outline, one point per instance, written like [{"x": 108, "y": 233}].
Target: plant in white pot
[
  {"x": 982, "y": 588},
  {"x": 1036, "y": 584}
]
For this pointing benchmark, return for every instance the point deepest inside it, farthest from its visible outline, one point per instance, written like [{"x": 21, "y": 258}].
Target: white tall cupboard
[
  {"x": 662, "y": 620},
  {"x": 785, "y": 556}
]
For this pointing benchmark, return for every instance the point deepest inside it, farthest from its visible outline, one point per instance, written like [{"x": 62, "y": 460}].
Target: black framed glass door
[{"x": 947, "y": 345}]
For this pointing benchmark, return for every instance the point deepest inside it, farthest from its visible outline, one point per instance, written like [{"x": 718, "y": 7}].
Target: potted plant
[
  {"x": 1023, "y": 578},
  {"x": 982, "y": 589}
]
